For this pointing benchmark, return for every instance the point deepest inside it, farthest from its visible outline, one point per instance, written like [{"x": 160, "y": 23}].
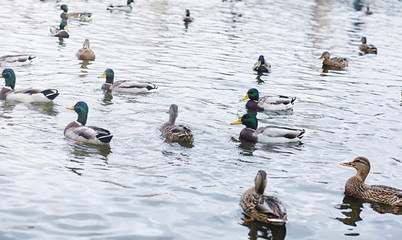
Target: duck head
[
  {"x": 187, "y": 13},
  {"x": 64, "y": 8},
  {"x": 9, "y": 75},
  {"x": 81, "y": 108},
  {"x": 362, "y": 166},
  {"x": 173, "y": 113},
  {"x": 85, "y": 45},
  {"x": 252, "y": 94},
  {"x": 109, "y": 75},
  {"x": 260, "y": 182},
  {"x": 129, "y": 1},
  {"x": 249, "y": 120},
  {"x": 261, "y": 60},
  {"x": 364, "y": 40},
  {"x": 325, "y": 55}
]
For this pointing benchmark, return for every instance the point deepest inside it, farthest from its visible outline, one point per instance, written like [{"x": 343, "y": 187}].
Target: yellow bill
[
  {"x": 237, "y": 122},
  {"x": 245, "y": 97},
  {"x": 102, "y": 76}
]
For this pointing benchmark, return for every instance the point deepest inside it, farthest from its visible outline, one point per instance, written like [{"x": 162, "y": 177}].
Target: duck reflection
[
  {"x": 260, "y": 230},
  {"x": 259, "y": 80},
  {"x": 61, "y": 42},
  {"x": 107, "y": 98},
  {"x": 356, "y": 207},
  {"x": 86, "y": 150},
  {"x": 44, "y": 108},
  {"x": 85, "y": 63}
]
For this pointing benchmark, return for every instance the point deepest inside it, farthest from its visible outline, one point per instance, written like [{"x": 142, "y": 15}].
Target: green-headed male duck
[
  {"x": 175, "y": 133},
  {"x": 78, "y": 131},
  {"x": 80, "y": 16},
  {"x": 261, "y": 207},
  {"x": 261, "y": 66},
  {"x": 60, "y": 31},
  {"x": 355, "y": 186},
  {"x": 266, "y": 134},
  {"x": 124, "y": 8},
  {"x": 187, "y": 17},
  {"x": 267, "y": 103},
  {"x": 27, "y": 95},
  {"x": 333, "y": 62},
  {"x": 125, "y": 86}
]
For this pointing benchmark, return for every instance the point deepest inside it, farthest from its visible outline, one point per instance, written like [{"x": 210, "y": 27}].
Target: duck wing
[
  {"x": 101, "y": 134},
  {"x": 285, "y": 132}
]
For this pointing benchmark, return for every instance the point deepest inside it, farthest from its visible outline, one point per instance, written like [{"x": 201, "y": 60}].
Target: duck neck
[
  {"x": 82, "y": 118},
  {"x": 109, "y": 79},
  {"x": 172, "y": 118}
]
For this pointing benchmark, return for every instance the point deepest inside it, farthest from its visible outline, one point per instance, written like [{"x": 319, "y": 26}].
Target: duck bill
[
  {"x": 259, "y": 64},
  {"x": 102, "y": 76},
  {"x": 347, "y": 164},
  {"x": 70, "y": 108},
  {"x": 1, "y": 75},
  {"x": 245, "y": 97},
  {"x": 66, "y": 28},
  {"x": 236, "y": 122},
  {"x": 322, "y": 56}
]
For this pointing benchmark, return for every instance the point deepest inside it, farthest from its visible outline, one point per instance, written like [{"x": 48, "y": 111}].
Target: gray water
[{"x": 140, "y": 187}]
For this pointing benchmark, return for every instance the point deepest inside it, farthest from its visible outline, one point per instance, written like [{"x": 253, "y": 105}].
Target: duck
[
  {"x": 261, "y": 66},
  {"x": 27, "y": 95},
  {"x": 367, "y": 48},
  {"x": 60, "y": 31},
  {"x": 333, "y": 62},
  {"x": 266, "y": 134},
  {"x": 261, "y": 207},
  {"x": 20, "y": 59},
  {"x": 175, "y": 133},
  {"x": 85, "y": 53},
  {"x": 78, "y": 131},
  {"x": 355, "y": 186},
  {"x": 187, "y": 18},
  {"x": 267, "y": 103},
  {"x": 125, "y": 86},
  {"x": 368, "y": 11},
  {"x": 124, "y": 8},
  {"x": 80, "y": 16}
]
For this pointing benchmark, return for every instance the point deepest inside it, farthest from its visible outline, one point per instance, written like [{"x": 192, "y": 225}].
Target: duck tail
[
  {"x": 301, "y": 134},
  {"x": 293, "y": 100},
  {"x": 151, "y": 87},
  {"x": 105, "y": 138},
  {"x": 30, "y": 57},
  {"x": 50, "y": 93}
]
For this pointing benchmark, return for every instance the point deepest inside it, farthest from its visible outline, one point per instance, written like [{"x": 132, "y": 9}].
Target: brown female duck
[
  {"x": 85, "y": 53},
  {"x": 367, "y": 48},
  {"x": 175, "y": 133},
  {"x": 333, "y": 62},
  {"x": 355, "y": 186},
  {"x": 261, "y": 207}
]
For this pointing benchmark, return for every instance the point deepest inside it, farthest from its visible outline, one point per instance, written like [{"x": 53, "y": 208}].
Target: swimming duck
[
  {"x": 261, "y": 66},
  {"x": 125, "y": 86},
  {"x": 261, "y": 207},
  {"x": 355, "y": 186},
  {"x": 85, "y": 53},
  {"x": 27, "y": 95},
  {"x": 61, "y": 31},
  {"x": 175, "y": 133},
  {"x": 267, "y": 103},
  {"x": 124, "y": 8},
  {"x": 333, "y": 62},
  {"x": 78, "y": 131},
  {"x": 368, "y": 11},
  {"x": 367, "y": 48},
  {"x": 267, "y": 134},
  {"x": 20, "y": 59},
  {"x": 187, "y": 17},
  {"x": 81, "y": 16}
]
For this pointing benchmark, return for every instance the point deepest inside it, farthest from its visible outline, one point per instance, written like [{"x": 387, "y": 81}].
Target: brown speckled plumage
[
  {"x": 175, "y": 133},
  {"x": 355, "y": 186},
  {"x": 367, "y": 48},
  {"x": 333, "y": 62},
  {"x": 261, "y": 207}
]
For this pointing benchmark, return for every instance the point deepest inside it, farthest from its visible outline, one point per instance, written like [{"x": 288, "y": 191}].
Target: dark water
[{"x": 140, "y": 187}]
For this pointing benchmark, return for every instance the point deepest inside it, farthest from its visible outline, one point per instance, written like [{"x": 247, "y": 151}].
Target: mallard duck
[
  {"x": 61, "y": 31},
  {"x": 124, "y": 8},
  {"x": 368, "y": 11},
  {"x": 355, "y": 186},
  {"x": 125, "y": 86},
  {"x": 367, "y": 48},
  {"x": 267, "y": 103},
  {"x": 175, "y": 133},
  {"x": 261, "y": 207},
  {"x": 187, "y": 17},
  {"x": 81, "y": 16},
  {"x": 261, "y": 66},
  {"x": 267, "y": 134},
  {"x": 333, "y": 62},
  {"x": 27, "y": 95},
  {"x": 85, "y": 53},
  {"x": 78, "y": 131},
  {"x": 20, "y": 59}
]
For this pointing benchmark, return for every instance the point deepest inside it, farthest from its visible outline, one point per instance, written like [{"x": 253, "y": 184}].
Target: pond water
[{"x": 141, "y": 187}]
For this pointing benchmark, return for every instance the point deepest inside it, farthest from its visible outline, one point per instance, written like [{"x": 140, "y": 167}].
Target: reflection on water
[
  {"x": 85, "y": 150},
  {"x": 107, "y": 97},
  {"x": 44, "y": 108},
  {"x": 259, "y": 230}
]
